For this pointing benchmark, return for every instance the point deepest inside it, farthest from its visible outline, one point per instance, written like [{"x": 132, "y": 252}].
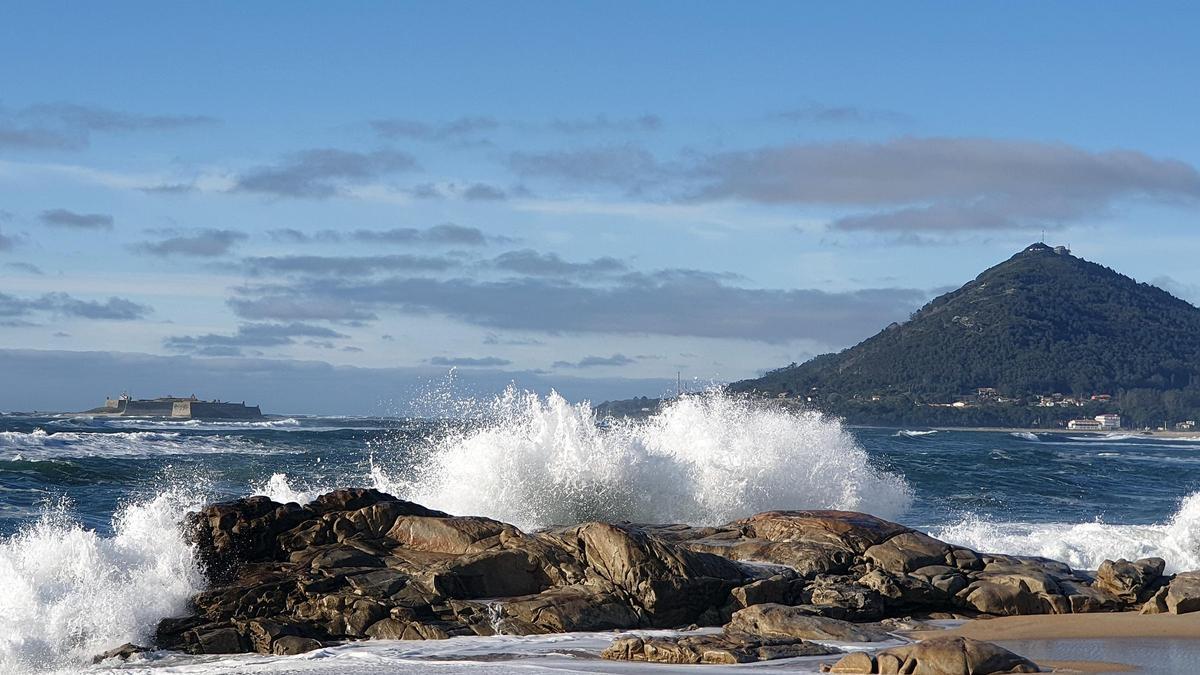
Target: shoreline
[
  {"x": 1071, "y": 432},
  {"x": 1091, "y": 626}
]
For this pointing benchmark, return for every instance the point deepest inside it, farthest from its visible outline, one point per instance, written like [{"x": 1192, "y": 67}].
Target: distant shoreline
[{"x": 1075, "y": 432}]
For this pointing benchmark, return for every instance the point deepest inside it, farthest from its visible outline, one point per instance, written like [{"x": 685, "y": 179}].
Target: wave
[
  {"x": 1086, "y": 545},
  {"x": 40, "y": 444},
  {"x": 67, "y": 594},
  {"x": 1026, "y": 435},
  {"x": 90, "y": 422},
  {"x": 703, "y": 459},
  {"x": 908, "y": 433}
]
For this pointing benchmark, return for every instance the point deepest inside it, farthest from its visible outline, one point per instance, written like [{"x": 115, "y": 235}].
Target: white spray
[{"x": 704, "y": 459}]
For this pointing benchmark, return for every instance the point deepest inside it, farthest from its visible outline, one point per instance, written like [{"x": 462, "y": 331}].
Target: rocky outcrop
[
  {"x": 1180, "y": 596},
  {"x": 361, "y": 564},
  {"x": 722, "y": 647},
  {"x": 938, "y": 656},
  {"x": 797, "y": 623}
]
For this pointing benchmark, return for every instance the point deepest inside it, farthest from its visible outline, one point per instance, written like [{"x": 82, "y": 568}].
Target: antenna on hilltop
[
  {"x": 679, "y": 383},
  {"x": 1043, "y": 235}
]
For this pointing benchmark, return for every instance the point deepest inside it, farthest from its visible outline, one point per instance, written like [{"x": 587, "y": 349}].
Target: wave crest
[
  {"x": 1087, "y": 545},
  {"x": 67, "y": 594},
  {"x": 703, "y": 459}
]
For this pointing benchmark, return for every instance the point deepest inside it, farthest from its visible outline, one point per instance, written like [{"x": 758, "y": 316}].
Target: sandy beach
[{"x": 1091, "y": 643}]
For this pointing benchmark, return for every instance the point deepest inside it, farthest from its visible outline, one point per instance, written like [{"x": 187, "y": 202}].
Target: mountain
[{"x": 1042, "y": 322}]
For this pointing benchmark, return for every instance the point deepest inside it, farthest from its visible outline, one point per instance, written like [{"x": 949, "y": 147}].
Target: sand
[{"x": 1078, "y": 626}]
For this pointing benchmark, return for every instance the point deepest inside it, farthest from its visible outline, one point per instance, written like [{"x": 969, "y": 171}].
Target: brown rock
[
  {"x": 909, "y": 551},
  {"x": 1183, "y": 593},
  {"x": 779, "y": 621},
  {"x": 1130, "y": 582},
  {"x": 724, "y": 648},
  {"x": 121, "y": 653},
  {"x": 939, "y": 656},
  {"x": 290, "y": 645}
]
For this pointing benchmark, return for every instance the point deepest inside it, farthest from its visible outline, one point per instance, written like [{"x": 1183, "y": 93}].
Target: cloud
[
  {"x": 946, "y": 184},
  {"x": 841, "y": 114},
  {"x": 69, "y": 126},
  {"x": 168, "y": 189},
  {"x": 901, "y": 185},
  {"x": 62, "y": 304},
  {"x": 494, "y": 339},
  {"x": 248, "y": 335},
  {"x": 530, "y": 262},
  {"x": 349, "y": 265},
  {"x": 674, "y": 302},
  {"x": 603, "y": 123},
  {"x": 481, "y": 192},
  {"x": 7, "y": 243},
  {"x": 206, "y": 243},
  {"x": 444, "y": 234},
  {"x": 323, "y": 172},
  {"x": 481, "y": 362},
  {"x": 596, "y": 361},
  {"x": 78, "y": 221},
  {"x": 629, "y": 167},
  {"x": 454, "y": 130},
  {"x": 28, "y": 268}
]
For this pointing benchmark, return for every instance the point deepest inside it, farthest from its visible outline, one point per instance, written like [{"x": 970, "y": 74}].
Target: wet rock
[
  {"x": 290, "y": 645},
  {"x": 779, "y": 621},
  {"x": 938, "y": 656},
  {"x": 121, "y": 653},
  {"x": 357, "y": 564},
  {"x": 725, "y": 648}
]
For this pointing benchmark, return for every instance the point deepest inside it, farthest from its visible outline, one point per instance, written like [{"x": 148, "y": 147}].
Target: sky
[{"x": 337, "y": 208}]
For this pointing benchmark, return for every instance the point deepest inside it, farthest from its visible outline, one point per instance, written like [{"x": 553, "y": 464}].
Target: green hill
[{"x": 1041, "y": 322}]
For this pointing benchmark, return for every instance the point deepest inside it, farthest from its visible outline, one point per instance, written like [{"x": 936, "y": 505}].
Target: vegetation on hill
[{"x": 1040, "y": 323}]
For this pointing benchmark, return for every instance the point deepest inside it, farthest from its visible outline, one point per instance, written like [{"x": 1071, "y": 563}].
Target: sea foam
[
  {"x": 67, "y": 594},
  {"x": 704, "y": 459},
  {"x": 1087, "y": 545}
]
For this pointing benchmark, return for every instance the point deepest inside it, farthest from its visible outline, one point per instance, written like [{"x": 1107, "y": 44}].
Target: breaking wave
[
  {"x": 908, "y": 433},
  {"x": 703, "y": 459},
  {"x": 40, "y": 444},
  {"x": 67, "y": 594},
  {"x": 1086, "y": 545}
]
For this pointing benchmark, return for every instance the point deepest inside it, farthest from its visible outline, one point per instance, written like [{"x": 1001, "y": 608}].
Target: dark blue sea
[{"x": 90, "y": 556}]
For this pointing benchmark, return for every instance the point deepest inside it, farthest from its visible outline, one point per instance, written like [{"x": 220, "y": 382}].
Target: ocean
[{"x": 90, "y": 556}]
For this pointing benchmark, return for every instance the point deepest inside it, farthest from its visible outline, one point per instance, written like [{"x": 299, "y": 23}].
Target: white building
[
  {"x": 1085, "y": 425},
  {"x": 1109, "y": 421}
]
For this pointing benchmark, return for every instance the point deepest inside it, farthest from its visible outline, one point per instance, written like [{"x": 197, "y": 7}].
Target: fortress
[{"x": 177, "y": 408}]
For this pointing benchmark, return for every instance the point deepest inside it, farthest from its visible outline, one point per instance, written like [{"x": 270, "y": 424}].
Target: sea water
[{"x": 90, "y": 555}]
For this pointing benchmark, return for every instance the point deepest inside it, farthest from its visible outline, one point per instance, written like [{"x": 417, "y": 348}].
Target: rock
[
  {"x": 909, "y": 551},
  {"x": 1183, "y": 593},
  {"x": 1130, "y": 582},
  {"x": 779, "y": 588},
  {"x": 938, "y": 656},
  {"x": 845, "y": 600},
  {"x": 359, "y": 563},
  {"x": 290, "y": 645},
  {"x": 219, "y": 641},
  {"x": 121, "y": 653},
  {"x": 672, "y": 586},
  {"x": 854, "y": 662},
  {"x": 569, "y": 609},
  {"x": 723, "y": 648},
  {"x": 779, "y": 621}
]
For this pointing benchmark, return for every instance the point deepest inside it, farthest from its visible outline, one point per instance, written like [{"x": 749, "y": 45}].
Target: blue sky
[{"x": 593, "y": 196}]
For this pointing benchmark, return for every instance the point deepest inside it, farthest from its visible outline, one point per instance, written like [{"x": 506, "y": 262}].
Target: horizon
[{"x": 344, "y": 212}]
